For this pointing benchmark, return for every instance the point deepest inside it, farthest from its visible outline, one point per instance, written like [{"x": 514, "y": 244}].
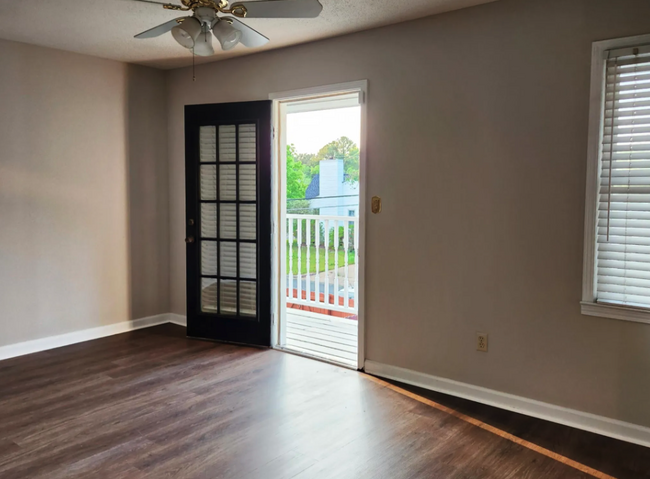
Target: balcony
[{"x": 322, "y": 278}]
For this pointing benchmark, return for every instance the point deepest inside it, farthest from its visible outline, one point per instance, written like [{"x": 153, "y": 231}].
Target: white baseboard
[
  {"x": 558, "y": 414},
  {"x": 51, "y": 342},
  {"x": 178, "y": 319}
]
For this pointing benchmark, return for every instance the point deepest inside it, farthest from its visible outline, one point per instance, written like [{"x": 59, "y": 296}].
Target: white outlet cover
[{"x": 480, "y": 347}]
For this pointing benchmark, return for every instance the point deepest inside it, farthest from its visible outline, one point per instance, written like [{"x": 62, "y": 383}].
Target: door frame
[{"x": 278, "y": 267}]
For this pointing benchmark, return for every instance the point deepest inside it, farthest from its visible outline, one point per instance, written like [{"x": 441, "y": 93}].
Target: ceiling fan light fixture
[
  {"x": 186, "y": 33},
  {"x": 203, "y": 44},
  {"x": 227, "y": 35}
]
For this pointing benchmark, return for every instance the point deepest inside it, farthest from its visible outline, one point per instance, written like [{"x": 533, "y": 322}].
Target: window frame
[{"x": 588, "y": 304}]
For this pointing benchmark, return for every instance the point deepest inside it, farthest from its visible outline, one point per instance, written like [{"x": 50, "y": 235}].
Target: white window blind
[{"x": 623, "y": 218}]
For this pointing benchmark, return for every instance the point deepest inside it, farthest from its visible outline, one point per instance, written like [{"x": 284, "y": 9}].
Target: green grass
[{"x": 312, "y": 259}]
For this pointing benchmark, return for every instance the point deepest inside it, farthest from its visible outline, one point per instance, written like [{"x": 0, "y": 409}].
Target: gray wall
[
  {"x": 83, "y": 192},
  {"x": 477, "y": 139},
  {"x": 148, "y": 192}
]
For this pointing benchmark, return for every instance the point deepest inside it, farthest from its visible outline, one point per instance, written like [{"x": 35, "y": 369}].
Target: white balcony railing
[{"x": 322, "y": 261}]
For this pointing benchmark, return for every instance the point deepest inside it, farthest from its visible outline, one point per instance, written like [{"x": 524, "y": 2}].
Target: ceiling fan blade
[
  {"x": 249, "y": 37},
  {"x": 281, "y": 8},
  {"x": 169, "y": 6},
  {"x": 150, "y": 1},
  {"x": 160, "y": 29}
]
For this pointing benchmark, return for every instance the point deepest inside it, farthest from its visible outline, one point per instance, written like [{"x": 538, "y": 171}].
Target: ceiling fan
[{"x": 193, "y": 32}]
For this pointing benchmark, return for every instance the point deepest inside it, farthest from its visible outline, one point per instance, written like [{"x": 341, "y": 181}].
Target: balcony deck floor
[{"x": 326, "y": 337}]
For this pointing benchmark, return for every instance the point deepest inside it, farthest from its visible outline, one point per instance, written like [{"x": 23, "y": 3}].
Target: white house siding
[{"x": 333, "y": 199}]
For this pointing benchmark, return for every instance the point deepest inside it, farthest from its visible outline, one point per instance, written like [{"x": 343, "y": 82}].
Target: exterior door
[{"x": 228, "y": 221}]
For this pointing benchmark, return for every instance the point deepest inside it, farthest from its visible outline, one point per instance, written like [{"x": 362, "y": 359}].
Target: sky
[{"x": 310, "y": 131}]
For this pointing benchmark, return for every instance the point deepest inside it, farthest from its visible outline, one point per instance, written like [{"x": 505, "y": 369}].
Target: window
[
  {"x": 351, "y": 213},
  {"x": 617, "y": 221}
]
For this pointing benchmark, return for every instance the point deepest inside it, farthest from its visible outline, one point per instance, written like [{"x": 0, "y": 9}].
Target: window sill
[{"x": 623, "y": 313}]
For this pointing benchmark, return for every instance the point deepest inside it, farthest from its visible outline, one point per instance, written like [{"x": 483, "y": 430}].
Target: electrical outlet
[{"x": 482, "y": 342}]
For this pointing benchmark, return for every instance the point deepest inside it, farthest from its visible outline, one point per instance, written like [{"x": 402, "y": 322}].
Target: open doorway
[{"x": 319, "y": 230}]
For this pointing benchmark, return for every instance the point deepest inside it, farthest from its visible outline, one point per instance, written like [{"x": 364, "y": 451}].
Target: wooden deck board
[
  {"x": 348, "y": 342},
  {"x": 333, "y": 339},
  {"x": 330, "y": 333},
  {"x": 322, "y": 319},
  {"x": 333, "y": 327}
]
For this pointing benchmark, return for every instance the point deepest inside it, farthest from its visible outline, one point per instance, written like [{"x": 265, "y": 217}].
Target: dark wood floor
[
  {"x": 612, "y": 457},
  {"x": 153, "y": 404}
]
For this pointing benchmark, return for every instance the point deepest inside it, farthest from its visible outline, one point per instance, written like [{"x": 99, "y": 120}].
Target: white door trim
[
  {"x": 278, "y": 218},
  {"x": 358, "y": 85}
]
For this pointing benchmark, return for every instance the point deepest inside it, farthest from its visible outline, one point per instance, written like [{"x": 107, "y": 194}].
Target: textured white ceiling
[{"x": 105, "y": 28}]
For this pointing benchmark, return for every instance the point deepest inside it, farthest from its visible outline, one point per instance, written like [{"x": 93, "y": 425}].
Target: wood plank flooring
[
  {"x": 326, "y": 337},
  {"x": 153, "y": 404}
]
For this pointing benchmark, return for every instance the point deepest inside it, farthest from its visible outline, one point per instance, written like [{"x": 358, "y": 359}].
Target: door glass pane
[
  {"x": 208, "y": 182},
  {"x": 247, "y": 221},
  {"x": 247, "y": 183},
  {"x": 229, "y": 259},
  {"x": 224, "y": 218},
  {"x": 209, "y": 258},
  {"x": 247, "y": 143},
  {"x": 208, "y": 143},
  {"x": 248, "y": 298},
  {"x": 209, "y": 220},
  {"x": 227, "y": 182},
  {"x": 228, "y": 298},
  {"x": 227, "y": 143},
  {"x": 209, "y": 295},
  {"x": 247, "y": 260},
  {"x": 228, "y": 221}
]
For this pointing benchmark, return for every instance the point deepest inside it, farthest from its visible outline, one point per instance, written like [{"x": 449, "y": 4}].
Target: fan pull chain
[{"x": 193, "y": 70}]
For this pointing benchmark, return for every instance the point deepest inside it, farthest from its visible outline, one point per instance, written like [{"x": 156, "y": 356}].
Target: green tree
[
  {"x": 309, "y": 165},
  {"x": 296, "y": 183},
  {"x": 299, "y": 207},
  {"x": 343, "y": 148},
  {"x": 307, "y": 159}
]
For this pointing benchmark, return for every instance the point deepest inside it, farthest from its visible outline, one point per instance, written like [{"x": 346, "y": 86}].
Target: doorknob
[{"x": 189, "y": 239}]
